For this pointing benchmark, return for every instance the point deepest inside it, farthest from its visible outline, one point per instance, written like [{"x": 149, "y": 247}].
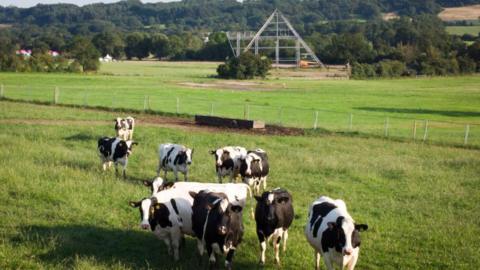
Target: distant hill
[{"x": 217, "y": 15}]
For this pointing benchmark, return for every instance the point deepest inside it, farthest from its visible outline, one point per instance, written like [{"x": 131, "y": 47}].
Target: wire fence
[{"x": 421, "y": 130}]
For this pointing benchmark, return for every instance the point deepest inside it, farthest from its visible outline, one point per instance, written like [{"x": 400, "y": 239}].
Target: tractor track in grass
[{"x": 159, "y": 121}]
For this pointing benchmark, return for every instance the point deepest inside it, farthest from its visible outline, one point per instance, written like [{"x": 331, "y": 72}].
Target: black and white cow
[
  {"x": 124, "y": 127},
  {"x": 228, "y": 160},
  {"x": 333, "y": 233},
  {"x": 114, "y": 150},
  {"x": 217, "y": 225},
  {"x": 273, "y": 215},
  {"x": 169, "y": 215},
  {"x": 254, "y": 169},
  {"x": 174, "y": 157}
]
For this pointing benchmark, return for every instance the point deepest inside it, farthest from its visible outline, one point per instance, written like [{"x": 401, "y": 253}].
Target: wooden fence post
[
  {"x": 211, "y": 109},
  {"x": 56, "y": 94},
  {"x": 467, "y": 131},
  {"x": 2, "y": 93},
  {"x": 279, "y": 116},
  {"x": 386, "y": 127},
  {"x": 144, "y": 103},
  {"x": 414, "y": 130},
  {"x": 85, "y": 101},
  {"x": 315, "y": 124},
  {"x": 425, "y": 133},
  {"x": 350, "y": 123},
  {"x": 178, "y": 105},
  {"x": 148, "y": 103}
]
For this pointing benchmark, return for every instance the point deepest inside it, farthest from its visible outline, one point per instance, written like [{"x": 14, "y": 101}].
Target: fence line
[{"x": 393, "y": 126}]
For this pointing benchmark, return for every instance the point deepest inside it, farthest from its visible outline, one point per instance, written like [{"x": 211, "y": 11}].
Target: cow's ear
[
  {"x": 236, "y": 208},
  {"x": 258, "y": 198},
  {"x": 147, "y": 183},
  {"x": 226, "y": 152},
  {"x": 361, "y": 227},
  {"x": 212, "y": 152},
  {"x": 135, "y": 204},
  {"x": 331, "y": 225},
  {"x": 166, "y": 186},
  {"x": 193, "y": 194}
]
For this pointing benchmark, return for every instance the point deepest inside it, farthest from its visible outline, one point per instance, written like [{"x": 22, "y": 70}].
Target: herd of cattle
[{"x": 212, "y": 212}]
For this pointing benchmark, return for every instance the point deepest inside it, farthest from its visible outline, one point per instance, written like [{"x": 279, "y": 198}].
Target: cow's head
[
  {"x": 152, "y": 213},
  {"x": 251, "y": 161},
  {"x": 221, "y": 155},
  {"x": 268, "y": 203},
  {"x": 120, "y": 123},
  {"x": 157, "y": 185},
  {"x": 345, "y": 234},
  {"x": 130, "y": 145}
]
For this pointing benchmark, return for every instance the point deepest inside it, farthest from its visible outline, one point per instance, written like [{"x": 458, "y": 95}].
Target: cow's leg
[
  {"x": 317, "y": 260},
  {"x": 263, "y": 248},
  {"x": 220, "y": 178},
  {"x": 185, "y": 175},
  {"x": 229, "y": 259},
  {"x": 165, "y": 174},
  {"x": 353, "y": 262},
  {"x": 159, "y": 168},
  {"x": 276, "y": 247},
  {"x": 168, "y": 244},
  {"x": 264, "y": 180},
  {"x": 175, "y": 172},
  {"x": 200, "y": 247},
  {"x": 285, "y": 237},
  {"x": 116, "y": 168},
  {"x": 328, "y": 262},
  {"x": 124, "y": 168},
  {"x": 176, "y": 246},
  {"x": 109, "y": 164},
  {"x": 232, "y": 178},
  {"x": 104, "y": 165},
  {"x": 211, "y": 256}
]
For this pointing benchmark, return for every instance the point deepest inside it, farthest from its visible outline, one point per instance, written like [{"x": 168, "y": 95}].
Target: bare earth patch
[
  {"x": 236, "y": 85},
  {"x": 460, "y": 13},
  {"x": 161, "y": 121}
]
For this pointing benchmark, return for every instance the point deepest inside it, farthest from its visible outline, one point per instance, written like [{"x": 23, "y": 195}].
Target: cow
[
  {"x": 273, "y": 216},
  {"x": 124, "y": 127},
  {"x": 168, "y": 215},
  {"x": 174, "y": 157},
  {"x": 254, "y": 169},
  {"x": 217, "y": 225},
  {"x": 237, "y": 193},
  {"x": 115, "y": 150},
  {"x": 333, "y": 233},
  {"x": 227, "y": 161}
]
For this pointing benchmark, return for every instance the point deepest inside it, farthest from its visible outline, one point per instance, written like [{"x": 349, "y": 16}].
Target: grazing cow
[
  {"x": 273, "y": 215},
  {"x": 254, "y": 169},
  {"x": 124, "y": 127},
  {"x": 217, "y": 225},
  {"x": 227, "y": 161},
  {"x": 174, "y": 157},
  {"x": 333, "y": 233},
  {"x": 169, "y": 215},
  {"x": 114, "y": 150}
]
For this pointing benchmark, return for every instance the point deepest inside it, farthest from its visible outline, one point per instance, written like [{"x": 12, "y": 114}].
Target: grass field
[
  {"x": 461, "y": 30},
  {"x": 449, "y": 103},
  {"x": 58, "y": 210}
]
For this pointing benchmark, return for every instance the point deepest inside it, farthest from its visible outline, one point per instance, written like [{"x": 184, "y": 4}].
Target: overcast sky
[{"x": 30, "y": 3}]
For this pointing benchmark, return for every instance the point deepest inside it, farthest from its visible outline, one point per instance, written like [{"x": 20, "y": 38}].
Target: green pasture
[
  {"x": 58, "y": 210},
  {"x": 461, "y": 30},
  {"x": 373, "y": 107}
]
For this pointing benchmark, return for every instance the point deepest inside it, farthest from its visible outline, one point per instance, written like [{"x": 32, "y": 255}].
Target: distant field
[
  {"x": 449, "y": 103},
  {"x": 460, "y": 13},
  {"x": 58, "y": 210},
  {"x": 461, "y": 30}
]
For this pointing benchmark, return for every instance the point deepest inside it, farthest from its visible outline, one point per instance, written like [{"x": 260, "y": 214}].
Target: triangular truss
[{"x": 277, "y": 36}]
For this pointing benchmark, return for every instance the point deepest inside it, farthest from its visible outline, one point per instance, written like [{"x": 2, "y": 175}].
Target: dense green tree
[
  {"x": 137, "y": 45},
  {"x": 85, "y": 53},
  {"x": 109, "y": 43},
  {"x": 246, "y": 66}
]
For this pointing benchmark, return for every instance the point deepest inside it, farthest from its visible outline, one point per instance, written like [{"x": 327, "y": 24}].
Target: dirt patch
[
  {"x": 460, "y": 13},
  {"x": 162, "y": 121},
  {"x": 390, "y": 16}
]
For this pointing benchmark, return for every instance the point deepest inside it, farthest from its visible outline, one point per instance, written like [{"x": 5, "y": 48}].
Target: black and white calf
[
  {"x": 273, "y": 215},
  {"x": 228, "y": 160},
  {"x": 333, "y": 233},
  {"x": 169, "y": 215},
  {"x": 174, "y": 157},
  {"x": 124, "y": 127},
  {"x": 217, "y": 225},
  {"x": 254, "y": 169},
  {"x": 114, "y": 150}
]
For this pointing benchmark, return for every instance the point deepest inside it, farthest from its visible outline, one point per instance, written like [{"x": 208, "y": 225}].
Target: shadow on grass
[
  {"x": 82, "y": 137},
  {"x": 107, "y": 246},
  {"x": 420, "y": 111}
]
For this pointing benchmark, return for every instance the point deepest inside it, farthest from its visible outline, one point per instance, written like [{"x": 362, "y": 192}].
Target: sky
[{"x": 31, "y": 3}]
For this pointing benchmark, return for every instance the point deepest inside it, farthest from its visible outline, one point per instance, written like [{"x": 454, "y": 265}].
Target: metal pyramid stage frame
[{"x": 278, "y": 38}]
